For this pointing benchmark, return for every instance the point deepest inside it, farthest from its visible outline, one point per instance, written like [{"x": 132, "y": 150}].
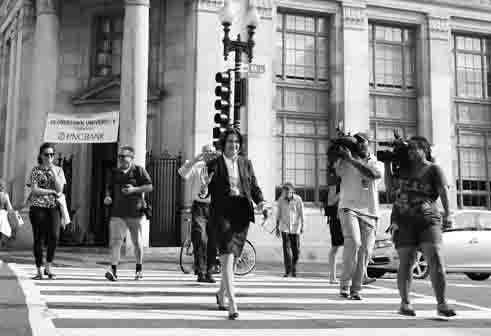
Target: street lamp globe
[
  {"x": 226, "y": 14},
  {"x": 253, "y": 17}
]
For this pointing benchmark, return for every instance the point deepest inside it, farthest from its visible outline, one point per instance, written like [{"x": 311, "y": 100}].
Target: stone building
[{"x": 419, "y": 66}]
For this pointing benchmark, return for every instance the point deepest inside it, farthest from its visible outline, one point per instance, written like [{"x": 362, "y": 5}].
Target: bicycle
[{"x": 244, "y": 264}]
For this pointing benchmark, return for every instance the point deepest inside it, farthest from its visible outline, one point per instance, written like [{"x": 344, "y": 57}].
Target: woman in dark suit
[{"x": 233, "y": 189}]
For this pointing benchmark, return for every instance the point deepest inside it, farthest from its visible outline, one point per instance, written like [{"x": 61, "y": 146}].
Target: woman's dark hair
[
  {"x": 423, "y": 144},
  {"x": 43, "y": 147},
  {"x": 228, "y": 132}
]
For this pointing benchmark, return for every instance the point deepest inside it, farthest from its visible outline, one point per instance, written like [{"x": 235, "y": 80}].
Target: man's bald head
[{"x": 208, "y": 148}]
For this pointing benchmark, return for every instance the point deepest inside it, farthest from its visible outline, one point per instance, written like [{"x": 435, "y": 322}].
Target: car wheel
[
  {"x": 375, "y": 272},
  {"x": 421, "y": 269},
  {"x": 478, "y": 276}
]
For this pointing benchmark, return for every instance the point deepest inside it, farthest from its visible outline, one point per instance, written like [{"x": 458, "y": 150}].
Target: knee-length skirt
[{"x": 233, "y": 225}]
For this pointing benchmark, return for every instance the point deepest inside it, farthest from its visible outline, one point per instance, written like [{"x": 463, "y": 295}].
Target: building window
[
  {"x": 472, "y": 58},
  {"x": 108, "y": 45},
  {"x": 302, "y": 103},
  {"x": 391, "y": 57},
  {"x": 393, "y": 100},
  {"x": 302, "y": 47},
  {"x": 473, "y": 168},
  {"x": 301, "y": 147},
  {"x": 473, "y": 74}
]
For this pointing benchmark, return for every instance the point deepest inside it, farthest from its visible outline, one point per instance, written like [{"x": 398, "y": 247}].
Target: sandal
[{"x": 50, "y": 275}]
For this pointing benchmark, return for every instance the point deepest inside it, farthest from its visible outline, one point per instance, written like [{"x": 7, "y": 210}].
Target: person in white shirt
[
  {"x": 291, "y": 224},
  {"x": 360, "y": 174},
  {"x": 202, "y": 235}
]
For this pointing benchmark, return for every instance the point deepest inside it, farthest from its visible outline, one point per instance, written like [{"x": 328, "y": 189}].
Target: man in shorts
[{"x": 125, "y": 193}]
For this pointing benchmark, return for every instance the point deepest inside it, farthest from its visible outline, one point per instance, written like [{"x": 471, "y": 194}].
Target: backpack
[{"x": 146, "y": 206}]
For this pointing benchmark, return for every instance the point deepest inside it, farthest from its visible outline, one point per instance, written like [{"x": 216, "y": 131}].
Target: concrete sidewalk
[{"x": 14, "y": 315}]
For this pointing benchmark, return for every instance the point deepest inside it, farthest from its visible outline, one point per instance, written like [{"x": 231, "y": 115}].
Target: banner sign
[{"x": 82, "y": 127}]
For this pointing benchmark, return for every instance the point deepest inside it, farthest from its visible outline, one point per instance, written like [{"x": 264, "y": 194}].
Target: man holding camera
[
  {"x": 125, "y": 194},
  {"x": 360, "y": 173},
  {"x": 202, "y": 231}
]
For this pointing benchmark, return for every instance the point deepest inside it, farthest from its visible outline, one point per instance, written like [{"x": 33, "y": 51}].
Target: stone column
[
  {"x": 134, "y": 78},
  {"x": 355, "y": 67},
  {"x": 44, "y": 76},
  {"x": 10, "y": 104},
  {"x": 441, "y": 97},
  {"x": 260, "y": 122},
  {"x": 134, "y": 87}
]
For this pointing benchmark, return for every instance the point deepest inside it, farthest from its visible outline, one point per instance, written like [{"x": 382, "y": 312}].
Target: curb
[{"x": 41, "y": 323}]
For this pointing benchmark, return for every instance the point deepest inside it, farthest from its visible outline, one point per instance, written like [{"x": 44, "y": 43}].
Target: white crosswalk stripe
[{"x": 82, "y": 302}]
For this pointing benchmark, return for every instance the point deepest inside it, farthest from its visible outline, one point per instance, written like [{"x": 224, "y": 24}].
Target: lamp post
[{"x": 239, "y": 47}]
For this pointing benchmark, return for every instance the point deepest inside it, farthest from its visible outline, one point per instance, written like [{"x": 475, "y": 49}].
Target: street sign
[
  {"x": 257, "y": 68},
  {"x": 252, "y": 70}
]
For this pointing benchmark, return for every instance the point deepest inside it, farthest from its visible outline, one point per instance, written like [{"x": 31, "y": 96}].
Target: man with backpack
[{"x": 125, "y": 192}]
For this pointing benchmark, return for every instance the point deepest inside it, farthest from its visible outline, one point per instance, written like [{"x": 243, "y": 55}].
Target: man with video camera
[{"x": 360, "y": 173}]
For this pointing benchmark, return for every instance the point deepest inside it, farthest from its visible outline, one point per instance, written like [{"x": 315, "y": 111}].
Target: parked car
[{"x": 466, "y": 247}]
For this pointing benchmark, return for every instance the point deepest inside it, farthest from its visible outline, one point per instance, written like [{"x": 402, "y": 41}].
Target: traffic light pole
[{"x": 237, "y": 89}]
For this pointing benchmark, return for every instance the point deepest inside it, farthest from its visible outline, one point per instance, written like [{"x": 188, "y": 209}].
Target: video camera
[
  {"x": 342, "y": 140},
  {"x": 398, "y": 154}
]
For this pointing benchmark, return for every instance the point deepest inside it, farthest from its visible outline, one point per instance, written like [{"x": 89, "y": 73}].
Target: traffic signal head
[
  {"x": 222, "y": 104},
  {"x": 223, "y": 91}
]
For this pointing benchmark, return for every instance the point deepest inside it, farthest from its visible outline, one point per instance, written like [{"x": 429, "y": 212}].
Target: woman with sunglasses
[{"x": 46, "y": 181}]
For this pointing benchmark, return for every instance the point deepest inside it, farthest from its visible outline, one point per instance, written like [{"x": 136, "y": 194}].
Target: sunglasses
[
  {"x": 122, "y": 157},
  {"x": 49, "y": 154}
]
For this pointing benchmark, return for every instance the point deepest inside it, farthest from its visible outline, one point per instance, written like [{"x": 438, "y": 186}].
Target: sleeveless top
[{"x": 416, "y": 196}]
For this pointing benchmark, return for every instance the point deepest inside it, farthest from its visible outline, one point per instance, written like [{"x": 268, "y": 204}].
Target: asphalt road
[
  {"x": 459, "y": 288},
  {"x": 167, "y": 302}
]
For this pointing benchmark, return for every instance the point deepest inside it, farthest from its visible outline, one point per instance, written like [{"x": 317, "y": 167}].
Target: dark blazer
[{"x": 219, "y": 186}]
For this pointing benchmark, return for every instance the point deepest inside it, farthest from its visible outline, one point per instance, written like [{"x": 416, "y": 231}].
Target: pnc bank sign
[{"x": 82, "y": 127}]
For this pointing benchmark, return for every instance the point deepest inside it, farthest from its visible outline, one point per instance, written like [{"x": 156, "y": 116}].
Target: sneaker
[
  {"x": 209, "y": 278},
  {"x": 333, "y": 282},
  {"x": 110, "y": 276},
  {"x": 355, "y": 297},
  {"x": 201, "y": 277},
  {"x": 139, "y": 275},
  {"x": 368, "y": 281},
  {"x": 344, "y": 294}
]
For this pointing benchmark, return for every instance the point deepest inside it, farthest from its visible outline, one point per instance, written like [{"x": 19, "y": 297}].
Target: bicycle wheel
[
  {"x": 186, "y": 259},
  {"x": 247, "y": 260}
]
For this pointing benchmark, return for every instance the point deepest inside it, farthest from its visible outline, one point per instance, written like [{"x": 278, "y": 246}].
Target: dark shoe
[
  {"x": 220, "y": 304},
  {"x": 355, "y": 297},
  {"x": 233, "y": 316},
  {"x": 50, "y": 275},
  {"x": 139, "y": 275},
  {"x": 37, "y": 277},
  {"x": 294, "y": 273},
  {"x": 110, "y": 276},
  {"x": 209, "y": 278},
  {"x": 406, "y": 310},
  {"x": 286, "y": 275},
  {"x": 445, "y": 311},
  {"x": 201, "y": 277}
]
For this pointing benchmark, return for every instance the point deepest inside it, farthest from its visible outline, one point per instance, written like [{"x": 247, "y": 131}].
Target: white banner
[{"x": 82, "y": 127}]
